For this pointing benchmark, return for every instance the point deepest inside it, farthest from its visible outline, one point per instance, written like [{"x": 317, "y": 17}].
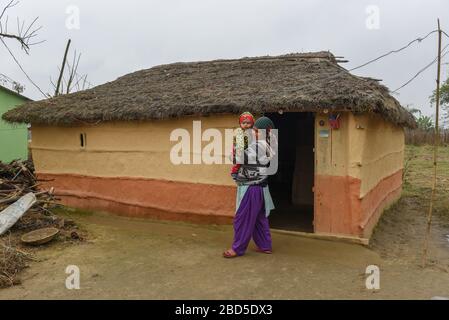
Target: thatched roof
[{"x": 293, "y": 82}]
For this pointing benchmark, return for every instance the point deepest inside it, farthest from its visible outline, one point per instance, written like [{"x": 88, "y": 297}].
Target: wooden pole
[
  {"x": 436, "y": 140},
  {"x": 62, "y": 67}
]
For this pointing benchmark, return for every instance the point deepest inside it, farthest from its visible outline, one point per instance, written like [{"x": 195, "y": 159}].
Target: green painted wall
[{"x": 13, "y": 138}]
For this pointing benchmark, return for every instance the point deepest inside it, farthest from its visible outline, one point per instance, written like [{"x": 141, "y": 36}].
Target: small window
[{"x": 83, "y": 140}]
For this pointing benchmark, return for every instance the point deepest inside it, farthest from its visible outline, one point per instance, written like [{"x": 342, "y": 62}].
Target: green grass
[{"x": 418, "y": 176}]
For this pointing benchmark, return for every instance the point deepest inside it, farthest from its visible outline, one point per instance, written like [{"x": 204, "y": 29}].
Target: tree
[
  {"x": 444, "y": 100},
  {"x": 73, "y": 81},
  {"x": 424, "y": 122},
  {"x": 25, "y": 33}
]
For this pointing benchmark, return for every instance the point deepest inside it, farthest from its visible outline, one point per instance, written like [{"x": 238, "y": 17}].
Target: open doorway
[{"x": 291, "y": 187}]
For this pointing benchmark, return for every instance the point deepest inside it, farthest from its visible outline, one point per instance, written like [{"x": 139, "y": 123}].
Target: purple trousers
[{"x": 250, "y": 221}]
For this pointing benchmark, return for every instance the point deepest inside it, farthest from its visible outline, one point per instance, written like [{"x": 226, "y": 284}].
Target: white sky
[{"x": 119, "y": 37}]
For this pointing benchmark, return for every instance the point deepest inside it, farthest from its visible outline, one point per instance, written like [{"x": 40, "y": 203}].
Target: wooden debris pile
[{"x": 16, "y": 180}]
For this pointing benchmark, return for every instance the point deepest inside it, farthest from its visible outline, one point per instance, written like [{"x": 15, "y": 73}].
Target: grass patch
[{"x": 419, "y": 174}]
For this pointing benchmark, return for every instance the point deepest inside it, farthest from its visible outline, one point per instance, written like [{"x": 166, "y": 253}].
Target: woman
[{"x": 254, "y": 201}]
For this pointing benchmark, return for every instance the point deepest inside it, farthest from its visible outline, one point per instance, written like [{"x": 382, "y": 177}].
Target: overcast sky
[{"x": 119, "y": 37}]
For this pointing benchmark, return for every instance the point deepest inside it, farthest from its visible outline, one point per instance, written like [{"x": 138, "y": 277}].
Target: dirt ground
[{"x": 133, "y": 258}]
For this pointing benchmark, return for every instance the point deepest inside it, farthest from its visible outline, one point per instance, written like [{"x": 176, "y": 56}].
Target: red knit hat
[{"x": 246, "y": 116}]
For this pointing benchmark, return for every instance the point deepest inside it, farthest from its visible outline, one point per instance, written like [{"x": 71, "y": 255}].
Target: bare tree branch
[
  {"x": 24, "y": 32},
  {"x": 71, "y": 80},
  {"x": 9, "y": 5},
  {"x": 21, "y": 68}
]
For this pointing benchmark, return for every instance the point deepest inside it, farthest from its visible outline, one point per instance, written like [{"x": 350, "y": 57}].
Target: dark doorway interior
[{"x": 291, "y": 187}]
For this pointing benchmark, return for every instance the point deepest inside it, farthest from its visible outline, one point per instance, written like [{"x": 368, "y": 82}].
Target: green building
[{"x": 13, "y": 138}]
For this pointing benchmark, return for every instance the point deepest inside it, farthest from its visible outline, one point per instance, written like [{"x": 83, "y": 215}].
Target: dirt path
[{"x": 145, "y": 259}]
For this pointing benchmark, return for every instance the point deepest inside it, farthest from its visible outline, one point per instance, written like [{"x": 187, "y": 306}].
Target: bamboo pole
[
  {"x": 62, "y": 67},
  {"x": 435, "y": 152}
]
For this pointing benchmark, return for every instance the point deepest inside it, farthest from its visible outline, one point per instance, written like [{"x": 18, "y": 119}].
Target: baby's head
[{"x": 246, "y": 120}]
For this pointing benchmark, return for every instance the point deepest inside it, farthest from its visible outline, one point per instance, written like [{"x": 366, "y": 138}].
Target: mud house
[{"x": 341, "y": 142}]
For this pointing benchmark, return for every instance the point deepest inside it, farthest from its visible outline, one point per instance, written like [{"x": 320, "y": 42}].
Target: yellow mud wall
[
  {"x": 127, "y": 149},
  {"x": 365, "y": 147},
  {"x": 382, "y": 153}
]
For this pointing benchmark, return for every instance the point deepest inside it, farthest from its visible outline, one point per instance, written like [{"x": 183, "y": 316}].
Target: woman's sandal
[
  {"x": 230, "y": 254},
  {"x": 264, "y": 251}
]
